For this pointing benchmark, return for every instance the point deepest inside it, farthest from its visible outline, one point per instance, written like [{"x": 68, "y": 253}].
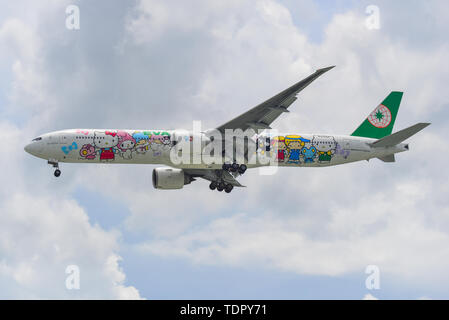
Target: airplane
[{"x": 373, "y": 138}]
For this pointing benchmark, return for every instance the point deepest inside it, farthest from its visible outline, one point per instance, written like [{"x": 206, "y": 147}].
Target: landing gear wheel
[
  {"x": 213, "y": 185},
  {"x": 226, "y": 166},
  {"x": 221, "y": 186},
  {"x": 57, "y": 173},
  {"x": 234, "y": 167},
  {"x": 242, "y": 168},
  {"x": 229, "y": 188}
]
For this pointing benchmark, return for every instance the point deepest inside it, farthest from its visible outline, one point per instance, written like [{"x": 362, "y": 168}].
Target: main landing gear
[
  {"x": 55, "y": 164},
  {"x": 235, "y": 167},
  {"x": 220, "y": 186}
]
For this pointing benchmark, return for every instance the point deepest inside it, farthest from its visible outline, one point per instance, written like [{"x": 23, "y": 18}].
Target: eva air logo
[{"x": 380, "y": 117}]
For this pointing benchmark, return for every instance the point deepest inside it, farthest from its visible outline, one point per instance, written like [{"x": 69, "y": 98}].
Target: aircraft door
[{"x": 62, "y": 137}]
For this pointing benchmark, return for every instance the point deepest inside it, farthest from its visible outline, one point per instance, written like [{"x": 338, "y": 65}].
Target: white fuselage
[{"x": 154, "y": 147}]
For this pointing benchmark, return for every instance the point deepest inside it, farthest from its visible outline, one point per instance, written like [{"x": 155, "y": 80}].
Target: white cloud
[
  {"x": 41, "y": 235},
  {"x": 382, "y": 229},
  {"x": 41, "y": 230}
]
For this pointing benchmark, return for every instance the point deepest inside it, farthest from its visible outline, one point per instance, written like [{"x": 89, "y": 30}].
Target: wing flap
[{"x": 214, "y": 175}]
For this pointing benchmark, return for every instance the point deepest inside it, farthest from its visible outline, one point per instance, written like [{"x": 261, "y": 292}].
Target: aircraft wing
[
  {"x": 261, "y": 116},
  {"x": 213, "y": 175}
]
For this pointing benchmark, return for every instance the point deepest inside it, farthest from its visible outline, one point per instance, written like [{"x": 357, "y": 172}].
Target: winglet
[{"x": 322, "y": 70}]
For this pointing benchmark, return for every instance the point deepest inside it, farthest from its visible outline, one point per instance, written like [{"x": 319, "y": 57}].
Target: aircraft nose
[
  {"x": 33, "y": 148},
  {"x": 28, "y": 148}
]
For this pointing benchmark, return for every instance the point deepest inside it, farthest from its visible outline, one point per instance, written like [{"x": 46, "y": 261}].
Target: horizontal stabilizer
[
  {"x": 389, "y": 158},
  {"x": 398, "y": 137}
]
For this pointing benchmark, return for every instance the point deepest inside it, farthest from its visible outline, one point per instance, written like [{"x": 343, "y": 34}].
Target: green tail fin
[{"x": 380, "y": 122}]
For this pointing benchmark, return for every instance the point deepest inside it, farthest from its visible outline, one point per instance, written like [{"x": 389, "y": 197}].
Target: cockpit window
[{"x": 37, "y": 139}]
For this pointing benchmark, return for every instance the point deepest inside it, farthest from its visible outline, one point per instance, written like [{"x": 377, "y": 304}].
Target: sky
[{"x": 303, "y": 233}]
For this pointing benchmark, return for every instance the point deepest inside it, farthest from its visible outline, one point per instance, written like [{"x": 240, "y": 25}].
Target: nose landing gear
[{"x": 55, "y": 164}]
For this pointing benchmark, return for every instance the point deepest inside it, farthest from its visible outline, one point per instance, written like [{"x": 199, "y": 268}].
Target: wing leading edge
[{"x": 262, "y": 115}]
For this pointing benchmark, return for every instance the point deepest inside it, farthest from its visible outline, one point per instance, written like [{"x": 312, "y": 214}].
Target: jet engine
[{"x": 169, "y": 178}]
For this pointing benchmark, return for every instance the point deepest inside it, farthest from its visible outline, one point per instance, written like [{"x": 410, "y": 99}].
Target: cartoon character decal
[
  {"x": 85, "y": 132},
  {"x": 309, "y": 152},
  {"x": 296, "y": 149},
  {"x": 294, "y": 144},
  {"x": 166, "y": 141},
  {"x": 342, "y": 152},
  {"x": 160, "y": 141},
  {"x": 280, "y": 148},
  {"x": 293, "y": 149},
  {"x": 87, "y": 151},
  {"x": 142, "y": 142},
  {"x": 67, "y": 149},
  {"x": 106, "y": 143},
  {"x": 326, "y": 146},
  {"x": 126, "y": 144},
  {"x": 158, "y": 135}
]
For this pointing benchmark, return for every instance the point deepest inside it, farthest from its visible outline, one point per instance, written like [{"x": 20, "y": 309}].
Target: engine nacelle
[{"x": 169, "y": 178}]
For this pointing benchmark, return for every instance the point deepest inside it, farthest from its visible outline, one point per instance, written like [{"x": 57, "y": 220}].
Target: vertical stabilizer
[{"x": 380, "y": 121}]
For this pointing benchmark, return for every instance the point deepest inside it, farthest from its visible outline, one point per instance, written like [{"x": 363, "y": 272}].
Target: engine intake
[{"x": 169, "y": 178}]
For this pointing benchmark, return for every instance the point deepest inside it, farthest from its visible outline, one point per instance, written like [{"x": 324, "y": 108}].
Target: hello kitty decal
[
  {"x": 326, "y": 146},
  {"x": 106, "y": 145}
]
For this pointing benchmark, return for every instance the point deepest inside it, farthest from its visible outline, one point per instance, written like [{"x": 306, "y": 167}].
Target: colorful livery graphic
[
  {"x": 113, "y": 145},
  {"x": 258, "y": 147}
]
